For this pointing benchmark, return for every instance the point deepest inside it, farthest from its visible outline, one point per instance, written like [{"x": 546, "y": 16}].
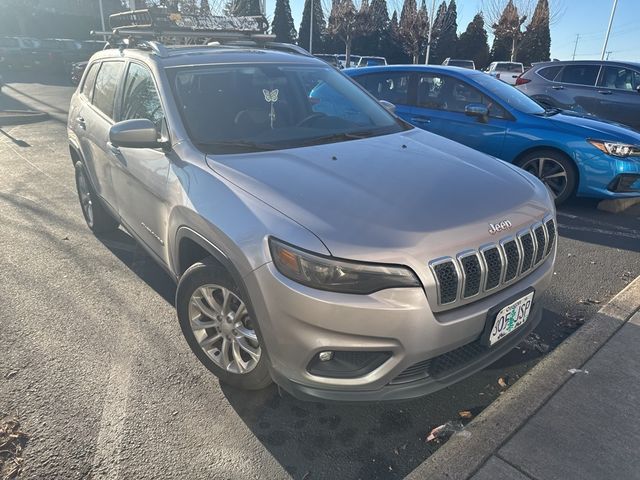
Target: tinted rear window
[
  {"x": 580, "y": 74},
  {"x": 510, "y": 67},
  {"x": 549, "y": 73},
  {"x": 461, "y": 63}
]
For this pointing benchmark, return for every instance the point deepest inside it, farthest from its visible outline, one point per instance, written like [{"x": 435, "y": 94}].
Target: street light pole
[
  {"x": 431, "y": 21},
  {"x": 311, "y": 26},
  {"x": 104, "y": 37},
  {"x": 606, "y": 38}
]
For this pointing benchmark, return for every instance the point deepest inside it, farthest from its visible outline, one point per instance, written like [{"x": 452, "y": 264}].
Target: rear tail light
[{"x": 522, "y": 81}]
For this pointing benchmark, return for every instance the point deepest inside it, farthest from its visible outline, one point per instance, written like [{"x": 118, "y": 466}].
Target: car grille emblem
[{"x": 499, "y": 227}]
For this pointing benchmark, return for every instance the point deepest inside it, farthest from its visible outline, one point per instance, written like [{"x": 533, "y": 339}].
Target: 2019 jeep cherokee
[{"x": 346, "y": 256}]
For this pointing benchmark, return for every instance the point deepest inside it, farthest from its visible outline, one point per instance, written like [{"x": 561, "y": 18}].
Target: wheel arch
[{"x": 553, "y": 148}]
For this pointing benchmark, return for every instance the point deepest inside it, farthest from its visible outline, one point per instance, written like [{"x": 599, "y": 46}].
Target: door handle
[
  {"x": 81, "y": 123},
  {"x": 557, "y": 87},
  {"x": 605, "y": 92},
  {"x": 420, "y": 119}
]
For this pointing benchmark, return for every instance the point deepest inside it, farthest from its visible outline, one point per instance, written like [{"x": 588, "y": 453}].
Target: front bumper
[
  {"x": 297, "y": 322},
  {"x": 601, "y": 175}
]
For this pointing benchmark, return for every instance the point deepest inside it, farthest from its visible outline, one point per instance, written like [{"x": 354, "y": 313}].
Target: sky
[{"x": 588, "y": 18}]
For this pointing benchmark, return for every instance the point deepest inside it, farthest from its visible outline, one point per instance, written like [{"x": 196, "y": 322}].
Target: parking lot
[{"x": 95, "y": 366}]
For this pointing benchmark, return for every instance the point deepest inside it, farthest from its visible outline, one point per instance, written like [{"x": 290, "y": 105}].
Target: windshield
[
  {"x": 244, "y": 108},
  {"x": 461, "y": 63},
  {"x": 509, "y": 95}
]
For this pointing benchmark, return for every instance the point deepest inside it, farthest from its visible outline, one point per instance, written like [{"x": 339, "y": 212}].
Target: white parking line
[
  {"x": 106, "y": 461},
  {"x": 595, "y": 222},
  {"x": 601, "y": 231}
]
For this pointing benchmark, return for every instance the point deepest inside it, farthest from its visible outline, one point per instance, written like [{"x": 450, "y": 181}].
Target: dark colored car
[
  {"x": 606, "y": 89},
  {"x": 77, "y": 70}
]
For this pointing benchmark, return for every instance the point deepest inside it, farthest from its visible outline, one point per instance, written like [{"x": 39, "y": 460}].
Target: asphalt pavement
[{"x": 95, "y": 367}]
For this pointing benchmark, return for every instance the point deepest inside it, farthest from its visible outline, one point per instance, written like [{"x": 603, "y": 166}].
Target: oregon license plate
[{"x": 510, "y": 318}]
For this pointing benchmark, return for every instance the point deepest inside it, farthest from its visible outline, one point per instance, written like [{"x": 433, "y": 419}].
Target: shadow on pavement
[
  {"x": 39, "y": 76},
  {"x": 580, "y": 219}
]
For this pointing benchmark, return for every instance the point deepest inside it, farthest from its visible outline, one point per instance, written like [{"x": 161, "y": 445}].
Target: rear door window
[
  {"x": 619, "y": 78},
  {"x": 104, "y": 93},
  {"x": 392, "y": 86},
  {"x": 580, "y": 74},
  {"x": 550, "y": 73}
]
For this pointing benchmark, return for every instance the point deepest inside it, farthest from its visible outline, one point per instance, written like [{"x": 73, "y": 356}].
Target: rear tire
[
  {"x": 222, "y": 334},
  {"x": 554, "y": 169},
  {"x": 95, "y": 214}
]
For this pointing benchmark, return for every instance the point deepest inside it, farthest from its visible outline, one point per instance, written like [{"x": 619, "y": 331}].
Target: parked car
[
  {"x": 367, "y": 61},
  {"x": 453, "y": 62},
  {"x": 331, "y": 59},
  {"x": 570, "y": 153},
  {"x": 508, "y": 72},
  {"x": 606, "y": 89},
  {"x": 342, "y": 58},
  {"x": 10, "y": 52},
  {"x": 19, "y": 52},
  {"x": 345, "y": 257},
  {"x": 61, "y": 53},
  {"x": 77, "y": 70}
]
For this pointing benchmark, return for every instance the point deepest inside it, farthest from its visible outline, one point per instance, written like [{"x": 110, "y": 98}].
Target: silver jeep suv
[{"x": 316, "y": 239}]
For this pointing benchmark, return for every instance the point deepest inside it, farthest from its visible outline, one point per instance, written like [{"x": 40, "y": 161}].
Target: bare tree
[{"x": 348, "y": 22}]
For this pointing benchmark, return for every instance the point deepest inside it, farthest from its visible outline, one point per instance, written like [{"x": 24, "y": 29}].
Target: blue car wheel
[{"x": 555, "y": 170}]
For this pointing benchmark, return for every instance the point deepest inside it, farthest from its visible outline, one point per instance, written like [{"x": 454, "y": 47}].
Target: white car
[{"x": 508, "y": 72}]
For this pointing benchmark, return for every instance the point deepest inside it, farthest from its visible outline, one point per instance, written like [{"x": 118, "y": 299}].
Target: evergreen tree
[
  {"x": 473, "y": 44},
  {"x": 347, "y": 23},
  {"x": 319, "y": 26},
  {"x": 205, "y": 8},
  {"x": 239, "y": 8},
  {"x": 412, "y": 29},
  {"x": 282, "y": 26},
  {"x": 507, "y": 34},
  {"x": 439, "y": 28},
  {"x": 536, "y": 41},
  {"x": 448, "y": 38},
  {"x": 393, "y": 49}
]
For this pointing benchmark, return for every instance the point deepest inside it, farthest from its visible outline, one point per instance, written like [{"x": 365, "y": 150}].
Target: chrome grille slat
[{"x": 473, "y": 273}]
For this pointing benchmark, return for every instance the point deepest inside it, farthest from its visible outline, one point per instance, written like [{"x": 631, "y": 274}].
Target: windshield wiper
[
  {"x": 342, "y": 136},
  {"x": 241, "y": 144}
]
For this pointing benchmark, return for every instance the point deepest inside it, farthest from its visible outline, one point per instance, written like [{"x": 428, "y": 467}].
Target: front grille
[
  {"x": 527, "y": 251},
  {"x": 448, "y": 281},
  {"x": 494, "y": 267},
  {"x": 474, "y": 273}
]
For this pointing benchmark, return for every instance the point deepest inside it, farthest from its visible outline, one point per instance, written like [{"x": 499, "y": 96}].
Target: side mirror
[
  {"x": 388, "y": 105},
  {"x": 478, "y": 110},
  {"x": 138, "y": 133}
]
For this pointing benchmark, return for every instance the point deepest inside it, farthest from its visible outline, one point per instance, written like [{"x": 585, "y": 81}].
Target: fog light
[{"x": 325, "y": 356}]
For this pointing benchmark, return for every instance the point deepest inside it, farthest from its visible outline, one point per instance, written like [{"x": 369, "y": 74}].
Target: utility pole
[
  {"x": 431, "y": 21},
  {"x": 104, "y": 37},
  {"x": 311, "y": 27},
  {"x": 575, "y": 47},
  {"x": 609, "y": 53},
  {"x": 606, "y": 38}
]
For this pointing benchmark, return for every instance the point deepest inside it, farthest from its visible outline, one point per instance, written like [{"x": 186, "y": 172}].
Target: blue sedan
[{"x": 568, "y": 152}]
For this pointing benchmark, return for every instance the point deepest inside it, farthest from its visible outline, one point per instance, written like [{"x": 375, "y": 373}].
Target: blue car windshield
[
  {"x": 509, "y": 94},
  {"x": 244, "y": 108}
]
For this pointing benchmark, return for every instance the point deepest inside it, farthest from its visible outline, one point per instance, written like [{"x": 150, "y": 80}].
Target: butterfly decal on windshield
[{"x": 271, "y": 97}]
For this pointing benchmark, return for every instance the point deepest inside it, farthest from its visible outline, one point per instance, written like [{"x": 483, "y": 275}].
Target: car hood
[
  {"x": 411, "y": 191},
  {"x": 597, "y": 128}
]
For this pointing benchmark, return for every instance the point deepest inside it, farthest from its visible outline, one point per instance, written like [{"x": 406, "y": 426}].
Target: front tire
[
  {"x": 554, "y": 169},
  {"x": 95, "y": 214},
  {"x": 219, "y": 326}
]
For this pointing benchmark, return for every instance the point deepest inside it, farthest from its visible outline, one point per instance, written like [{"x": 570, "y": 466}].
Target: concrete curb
[
  {"x": 618, "y": 205},
  {"x": 463, "y": 455},
  {"x": 20, "y": 117}
]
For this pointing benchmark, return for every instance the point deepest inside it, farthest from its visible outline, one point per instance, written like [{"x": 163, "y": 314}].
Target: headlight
[
  {"x": 616, "y": 149},
  {"x": 342, "y": 276}
]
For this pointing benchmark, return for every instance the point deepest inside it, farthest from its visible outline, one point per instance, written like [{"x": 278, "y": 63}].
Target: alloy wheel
[
  {"x": 550, "y": 172},
  {"x": 85, "y": 197},
  {"x": 224, "y": 329}
]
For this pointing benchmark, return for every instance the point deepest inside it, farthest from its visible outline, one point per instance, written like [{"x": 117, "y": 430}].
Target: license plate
[{"x": 510, "y": 318}]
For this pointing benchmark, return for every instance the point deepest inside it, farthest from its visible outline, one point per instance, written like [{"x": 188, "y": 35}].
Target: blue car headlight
[{"x": 616, "y": 149}]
